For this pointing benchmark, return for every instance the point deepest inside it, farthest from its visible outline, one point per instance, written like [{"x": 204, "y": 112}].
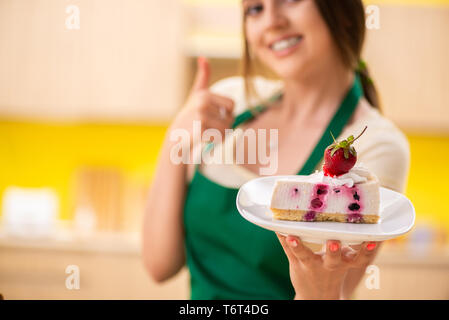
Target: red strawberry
[{"x": 340, "y": 157}]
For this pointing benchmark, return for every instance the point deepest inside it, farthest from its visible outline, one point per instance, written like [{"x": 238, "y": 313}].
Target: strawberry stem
[
  {"x": 360, "y": 134},
  {"x": 333, "y": 138}
]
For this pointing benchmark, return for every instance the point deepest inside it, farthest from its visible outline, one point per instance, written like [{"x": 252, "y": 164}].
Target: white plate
[{"x": 397, "y": 216}]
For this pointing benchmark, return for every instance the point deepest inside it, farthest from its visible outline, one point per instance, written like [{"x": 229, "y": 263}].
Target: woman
[{"x": 314, "y": 47}]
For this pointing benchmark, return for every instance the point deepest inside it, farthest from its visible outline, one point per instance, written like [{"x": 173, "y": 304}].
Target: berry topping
[
  {"x": 310, "y": 216},
  {"x": 316, "y": 203},
  {"x": 340, "y": 156}
]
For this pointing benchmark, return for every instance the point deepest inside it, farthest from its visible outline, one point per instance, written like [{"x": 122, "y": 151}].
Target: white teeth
[{"x": 285, "y": 44}]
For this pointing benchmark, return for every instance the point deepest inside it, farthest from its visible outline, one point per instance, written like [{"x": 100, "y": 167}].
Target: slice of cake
[{"x": 340, "y": 193}]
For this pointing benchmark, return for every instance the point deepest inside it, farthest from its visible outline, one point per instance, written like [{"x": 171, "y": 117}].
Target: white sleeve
[
  {"x": 234, "y": 88},
  {"x": 387, "y": 155}
]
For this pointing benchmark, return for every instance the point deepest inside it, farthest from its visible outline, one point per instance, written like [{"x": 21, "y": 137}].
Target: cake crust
[{"x": 301, "y": 215}]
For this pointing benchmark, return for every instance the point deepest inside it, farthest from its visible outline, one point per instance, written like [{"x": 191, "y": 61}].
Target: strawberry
[{"x": 340, "y": 156}]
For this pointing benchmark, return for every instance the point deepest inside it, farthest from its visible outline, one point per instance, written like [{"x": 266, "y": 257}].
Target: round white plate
[{"x": 397, "y": 216}]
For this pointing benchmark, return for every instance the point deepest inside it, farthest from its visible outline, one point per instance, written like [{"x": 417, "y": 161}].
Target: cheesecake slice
[
  {"x": 340, "y": 192},
  {"x": 352, "y": 197}
]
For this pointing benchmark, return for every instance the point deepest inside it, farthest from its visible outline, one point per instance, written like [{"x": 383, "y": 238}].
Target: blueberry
[
  {"x": 321, "y": 191},
  {"x": 354, "y": 207},
  {"x": 336, "y": 190},
  {"x": 294, "y": 192},
  {"x": 356, "y": 196}
]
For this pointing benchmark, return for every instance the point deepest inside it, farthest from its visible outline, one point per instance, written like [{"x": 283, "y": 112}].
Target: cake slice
[
  {"x": 340, "y": 192},
  {"x": 352, "y": 198}
]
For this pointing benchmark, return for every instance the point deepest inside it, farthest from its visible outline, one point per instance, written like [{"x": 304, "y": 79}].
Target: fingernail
[
  {"x": 292, "y": 242},
  {"x": 371, "y": 246},
  {"x": 334, "y": 246}
]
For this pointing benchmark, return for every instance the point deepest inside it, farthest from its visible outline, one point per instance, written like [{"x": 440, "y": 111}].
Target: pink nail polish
[
  {"x": 371, "y": 246},
  {"x": 334, "y": 246},
  {"x": 293, "y": 242}
]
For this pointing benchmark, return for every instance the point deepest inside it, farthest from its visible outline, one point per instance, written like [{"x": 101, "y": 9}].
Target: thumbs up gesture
[{"x": 214, "y": 111}]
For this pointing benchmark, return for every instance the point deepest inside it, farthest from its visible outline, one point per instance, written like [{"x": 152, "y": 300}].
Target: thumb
[{"x": 202, "y": 74}]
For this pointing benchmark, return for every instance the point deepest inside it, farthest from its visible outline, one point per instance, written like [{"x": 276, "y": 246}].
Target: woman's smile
[
  {"x": 275, "y": 33},
  {"x": 286, "y": 45}
]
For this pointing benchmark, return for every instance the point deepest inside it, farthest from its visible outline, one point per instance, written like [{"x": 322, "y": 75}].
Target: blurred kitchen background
[{"x": 83, "y": 112}]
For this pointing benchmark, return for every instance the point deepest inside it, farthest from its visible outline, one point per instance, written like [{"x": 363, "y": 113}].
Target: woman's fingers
[
  {"x": 301, "y": 252},
  {"x": 296, "y": 251},
  {"x": 332, "y": 258},
  {"x": 356, "y": 247},
  {"x": 201, "y": 81},
  {"x": 366, "y": 254},
  {"x": 347, "y": 255},
  {"x": 201, "y": 88},
  {"x": 224, "y": 102},
  {"x": 214, "y": 106},
  {"x": 288, "y": 252}
]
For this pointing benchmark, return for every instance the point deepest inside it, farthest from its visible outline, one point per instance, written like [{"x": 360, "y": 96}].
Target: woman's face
[{"x": 288, "y": 36}]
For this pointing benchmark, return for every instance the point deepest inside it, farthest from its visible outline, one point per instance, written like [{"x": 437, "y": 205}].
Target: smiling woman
[
  {"x": 314, "y": 48},
  {"x": 329, "y": 37}
]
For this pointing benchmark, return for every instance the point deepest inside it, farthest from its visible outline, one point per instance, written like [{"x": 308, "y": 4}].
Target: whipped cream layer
[{"x": 356, "y": 175}]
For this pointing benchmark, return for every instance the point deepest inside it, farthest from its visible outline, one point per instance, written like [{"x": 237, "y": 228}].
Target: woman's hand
[
  {"x": 322, "y": 275},
  {"x": 164, "y": 219},
  {"x": 212, "y": 110}
]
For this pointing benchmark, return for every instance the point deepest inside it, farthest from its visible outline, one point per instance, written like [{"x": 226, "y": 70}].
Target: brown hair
[{"x": 345, "y": 20}]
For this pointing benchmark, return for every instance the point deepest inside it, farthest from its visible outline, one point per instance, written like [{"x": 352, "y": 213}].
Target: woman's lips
[{"x": 290, "y": 44}]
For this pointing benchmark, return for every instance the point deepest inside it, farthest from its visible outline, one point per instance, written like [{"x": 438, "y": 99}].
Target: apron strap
[{"x": 254, "y": 111}]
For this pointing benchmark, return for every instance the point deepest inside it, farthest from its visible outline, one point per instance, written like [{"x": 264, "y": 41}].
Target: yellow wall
[
  {"x": 47, "y": 155},
  {"x": 427, "y": 185}
]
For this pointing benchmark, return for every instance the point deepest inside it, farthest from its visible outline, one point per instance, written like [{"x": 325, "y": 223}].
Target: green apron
[{"x": 229, "y": 257}]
